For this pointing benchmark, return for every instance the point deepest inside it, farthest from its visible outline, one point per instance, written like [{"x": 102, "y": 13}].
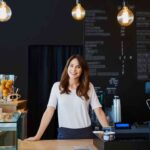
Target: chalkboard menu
[
  {"x": 106, "y": 47},
  {"x": 118, "y": 57},
  {"x": 143, "y": 44}
]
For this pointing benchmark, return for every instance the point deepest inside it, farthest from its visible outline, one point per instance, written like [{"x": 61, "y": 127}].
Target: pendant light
[
  {"x": 78, "y": 12},
  {"x": 125, "y": 16},
  {"x": 5, "y": 11}
]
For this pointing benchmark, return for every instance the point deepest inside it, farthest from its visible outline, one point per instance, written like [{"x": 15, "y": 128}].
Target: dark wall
[
  {"x": 115, "y": 56},
  {"x": 35, "y": 22}
]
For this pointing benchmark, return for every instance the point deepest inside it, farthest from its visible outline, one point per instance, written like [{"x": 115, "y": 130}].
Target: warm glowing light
[
  {"x": 5, "y": 12},
  {"x": 125, "y": 17},
  {"x": 78, "y": 12}
]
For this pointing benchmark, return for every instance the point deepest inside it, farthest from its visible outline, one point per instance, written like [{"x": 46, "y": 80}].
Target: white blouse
[{"x": 73, "y": 111}]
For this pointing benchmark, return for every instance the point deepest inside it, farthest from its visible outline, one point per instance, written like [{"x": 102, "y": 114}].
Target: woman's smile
[{"x": 74, "y": 69}]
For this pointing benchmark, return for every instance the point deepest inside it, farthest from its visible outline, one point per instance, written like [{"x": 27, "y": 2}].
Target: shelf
[{"x": 7, "y": 147}]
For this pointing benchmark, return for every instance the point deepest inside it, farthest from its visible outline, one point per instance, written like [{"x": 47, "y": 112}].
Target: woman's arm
[
  {"x": 101, "y": 117},
  {"x": 46, "y": 118}
]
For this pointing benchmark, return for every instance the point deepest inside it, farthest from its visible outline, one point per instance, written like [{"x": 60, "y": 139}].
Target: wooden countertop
[
  {"x": 14, "y": 102},
  {"x": 87, "y": 144},
  {"x": 14, "y": 106}
]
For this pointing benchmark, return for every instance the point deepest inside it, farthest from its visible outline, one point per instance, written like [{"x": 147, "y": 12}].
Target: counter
[{"x": 86, "y": 144}]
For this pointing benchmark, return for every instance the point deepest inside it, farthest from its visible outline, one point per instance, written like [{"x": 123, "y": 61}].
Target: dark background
[
  {"x": 47, "y": 22},
  {"x": 35, "y": 22}
]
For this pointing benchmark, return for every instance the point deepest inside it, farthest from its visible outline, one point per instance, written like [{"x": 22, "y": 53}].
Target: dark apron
[{"x": 82, "y": 133}]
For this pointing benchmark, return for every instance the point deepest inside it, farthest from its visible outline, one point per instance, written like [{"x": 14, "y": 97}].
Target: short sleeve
[
  {"x": 93, "y": 98},
  {"x": 53, "y": 98}
]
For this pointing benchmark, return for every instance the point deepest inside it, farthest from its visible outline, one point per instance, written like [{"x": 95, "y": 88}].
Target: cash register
[{"x": 124, "y": 137}]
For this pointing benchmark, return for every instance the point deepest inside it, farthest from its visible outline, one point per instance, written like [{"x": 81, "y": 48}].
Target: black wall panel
[{"x": 49, "y": 22}]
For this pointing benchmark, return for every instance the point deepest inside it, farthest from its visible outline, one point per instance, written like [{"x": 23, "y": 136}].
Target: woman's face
[{"x": 74, "y": 69}]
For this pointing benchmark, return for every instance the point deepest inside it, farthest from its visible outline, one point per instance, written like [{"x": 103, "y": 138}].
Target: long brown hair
[{"x": 82, "y": 89}]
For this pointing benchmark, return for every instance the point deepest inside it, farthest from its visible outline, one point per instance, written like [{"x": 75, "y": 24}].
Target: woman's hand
[
  {"x": 34, "y": 138},
  {"x": 47, "y": 116}
]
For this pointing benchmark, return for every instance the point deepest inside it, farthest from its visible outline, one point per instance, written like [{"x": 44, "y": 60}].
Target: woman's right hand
[
  {"x": 34, "y": 138},
  {"x": 46, "y": 118}
]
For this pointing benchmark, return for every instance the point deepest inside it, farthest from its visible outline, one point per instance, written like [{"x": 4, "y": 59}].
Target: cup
[{"x": 109, "y": 136}]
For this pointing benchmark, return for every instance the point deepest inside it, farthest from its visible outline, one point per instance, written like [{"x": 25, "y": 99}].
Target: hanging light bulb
[
  {"x": 78, "y": 12},
  {"x": 125, "y": 16},
  {"x": 5, "y": 11}
]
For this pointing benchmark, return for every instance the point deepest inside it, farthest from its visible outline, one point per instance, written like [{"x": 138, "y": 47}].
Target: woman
[{"x": 72, "y": 97}]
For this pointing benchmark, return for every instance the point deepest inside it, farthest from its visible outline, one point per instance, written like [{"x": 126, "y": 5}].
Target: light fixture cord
[
  {"x": 124, "y": 3},
  {"x": 77, "y": 1}
]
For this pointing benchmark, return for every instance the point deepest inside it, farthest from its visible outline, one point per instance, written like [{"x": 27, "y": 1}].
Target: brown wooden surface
[
  {"x": 14, "y": 106},
  {"x": 56, "y": 145}
]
